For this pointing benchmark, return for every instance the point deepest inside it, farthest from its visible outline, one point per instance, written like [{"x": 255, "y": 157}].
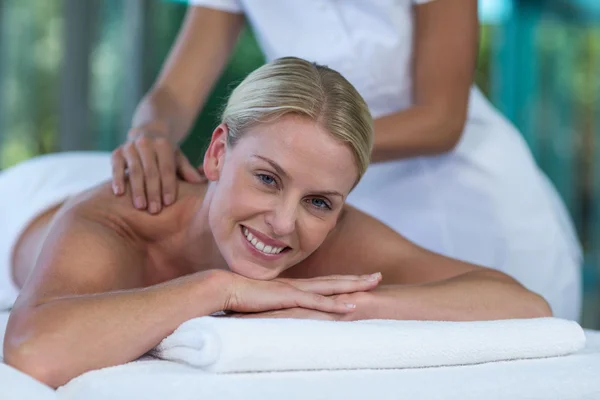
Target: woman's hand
[
  {"x": 295, "y": 313},
  {"x": 362, "y": 300},
  {"x": 152, "y": 162},
  {"x": 255, "y": 296},
  {"x": 335, "y": 284}
]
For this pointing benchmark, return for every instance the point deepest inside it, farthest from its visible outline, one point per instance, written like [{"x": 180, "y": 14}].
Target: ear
[{"x": 215, "y": 154}]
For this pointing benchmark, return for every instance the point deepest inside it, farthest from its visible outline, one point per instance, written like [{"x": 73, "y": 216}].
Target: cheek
[
  {"x": 236, "y": 201},
  {"x": 220, "y": 213},
  {"x": 314, "y": 232}
]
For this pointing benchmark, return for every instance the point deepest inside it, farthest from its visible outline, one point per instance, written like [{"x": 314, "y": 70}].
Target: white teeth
[
  {"x": 276, "y": 250},
  {"x": 260, "y": 245}
]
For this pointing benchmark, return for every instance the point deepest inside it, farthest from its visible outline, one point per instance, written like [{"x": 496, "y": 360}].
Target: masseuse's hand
[
  {"x": 251, "y": 296},
  {"x": 152, "y": 162}
]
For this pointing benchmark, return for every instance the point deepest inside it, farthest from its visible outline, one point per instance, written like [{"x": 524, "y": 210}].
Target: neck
[{"x": 199, "y": 242}]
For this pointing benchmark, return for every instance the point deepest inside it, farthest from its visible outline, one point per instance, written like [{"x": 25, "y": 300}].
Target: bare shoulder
[
  {"x": 361, "y": 244},
  {"x": 89, "y": 248},
  {"x": 99, "y": 242}
]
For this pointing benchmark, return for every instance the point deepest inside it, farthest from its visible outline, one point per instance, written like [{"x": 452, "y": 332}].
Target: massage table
[{"x": 576, "y": 376}]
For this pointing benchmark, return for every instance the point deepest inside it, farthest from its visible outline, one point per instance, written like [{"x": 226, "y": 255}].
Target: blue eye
[
  {"x": 266, "y": 179},
  {"x": 320, "y": 203}
]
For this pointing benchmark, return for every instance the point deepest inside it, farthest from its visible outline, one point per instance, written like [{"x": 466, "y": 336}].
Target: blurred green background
[{"x": 72, "y": 72}]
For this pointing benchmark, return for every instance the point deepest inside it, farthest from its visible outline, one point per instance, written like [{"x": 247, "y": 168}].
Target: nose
[{"x": 282, "y": 219}]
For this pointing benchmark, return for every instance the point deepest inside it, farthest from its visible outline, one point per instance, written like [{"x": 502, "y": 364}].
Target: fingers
[
  {"x": 151, "y": 163},
  {"x": 186, "y": 169},
  {"x": 297, "y": 313},
  {"x": 136, "y": 175},
  {"x": 336, "y": 284},
  {"x": 329, "y": 277},
  {"x": 151, "y": 175},
  {"x": 118, "y": 171},
  {"x": 167, "y": 170},
  {"x": 264, "y": 314},
  {"x": 321, "y": 303},
  {"x": 248, "y": 295}
]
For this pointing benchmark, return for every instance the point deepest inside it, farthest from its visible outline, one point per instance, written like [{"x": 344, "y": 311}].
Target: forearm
[
  {"x": 197, "y": 58},
  {"x": 417, "y": 131},
  {"x": 160, "y": 113},
  {"x": 445, "y": 55},
  {"x": 60, "y": 339},
  {"x": 475, "y": 295}
]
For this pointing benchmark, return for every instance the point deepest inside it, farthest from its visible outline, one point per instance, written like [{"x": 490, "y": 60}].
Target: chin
[{"x": 253, "y": 271}]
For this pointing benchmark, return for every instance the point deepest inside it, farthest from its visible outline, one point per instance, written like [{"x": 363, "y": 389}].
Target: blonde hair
[{"x": 293, "y": 85}]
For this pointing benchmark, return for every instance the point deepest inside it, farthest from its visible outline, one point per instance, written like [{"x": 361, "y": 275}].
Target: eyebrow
[
  {"x": 273, "y": 164},
  {"x": 282, "y": 172}
]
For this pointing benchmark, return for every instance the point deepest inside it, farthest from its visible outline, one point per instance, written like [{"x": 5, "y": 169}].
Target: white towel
[
  {"x": 258, "y": 345},
  {"x": 573, "y": 377}
]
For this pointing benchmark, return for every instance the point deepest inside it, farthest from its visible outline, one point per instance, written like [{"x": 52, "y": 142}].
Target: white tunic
[{"x": 485, "y": 202}]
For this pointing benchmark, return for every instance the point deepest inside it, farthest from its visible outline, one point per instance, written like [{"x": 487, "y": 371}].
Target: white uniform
[{"x": 486, "y": 202}]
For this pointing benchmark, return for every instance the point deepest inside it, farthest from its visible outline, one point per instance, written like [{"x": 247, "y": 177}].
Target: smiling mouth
[{"x": 260, "y": 246}]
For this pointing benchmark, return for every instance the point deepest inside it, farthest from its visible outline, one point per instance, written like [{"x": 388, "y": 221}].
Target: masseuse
[
  {"x": 450, "y": 173},
  {"x": 101, "y": 283}
]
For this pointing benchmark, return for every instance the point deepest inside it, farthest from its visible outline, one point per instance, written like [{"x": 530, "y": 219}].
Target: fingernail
[
  {"x": 140, "y": 202},
  {"x": 116, "y": 189},
  {"x": 154, "y": 208},
  {"x": 350, "y": 305},
  {"x": 374, "y": 277},
  {"x": 168, "y": 199}
]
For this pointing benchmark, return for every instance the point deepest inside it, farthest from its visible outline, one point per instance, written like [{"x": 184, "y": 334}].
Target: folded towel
[{"x": 258, "y": 345}]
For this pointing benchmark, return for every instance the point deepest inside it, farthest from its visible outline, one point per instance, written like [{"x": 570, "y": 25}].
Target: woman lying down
[{"x": 101, "y": 283}]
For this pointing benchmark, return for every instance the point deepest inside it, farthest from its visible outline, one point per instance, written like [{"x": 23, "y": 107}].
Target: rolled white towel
[{"x": 257, "y": 345}]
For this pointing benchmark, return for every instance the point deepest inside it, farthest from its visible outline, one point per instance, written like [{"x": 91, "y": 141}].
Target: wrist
[
  {"x": 380, "y": 303},
  {"x": 213, "y": 289},
  {"x": 367, "y": 306},
  {"x": 153, "y": 129}
]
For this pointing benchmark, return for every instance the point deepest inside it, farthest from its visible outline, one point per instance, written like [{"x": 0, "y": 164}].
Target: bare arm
[
  {"x": 417, "y": 284},
  {"x": 165, "y": 115},
  {"x": 85, "y": 308},
  {"x": 86, "y": 305},
  {"x": 196, "y": 60},
  {"x": 445, "y": 54}
]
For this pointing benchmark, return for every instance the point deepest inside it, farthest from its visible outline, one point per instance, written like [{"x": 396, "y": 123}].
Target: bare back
[{"x": 97, "y": 242}]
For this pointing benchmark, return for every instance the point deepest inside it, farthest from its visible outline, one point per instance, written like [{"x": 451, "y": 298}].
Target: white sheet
[
  {"x": 268, "y": 345},
  {"x": 574, "y": 377},
  {"x": 16, "y": 385},
  {"x": 3, "y": 321}
]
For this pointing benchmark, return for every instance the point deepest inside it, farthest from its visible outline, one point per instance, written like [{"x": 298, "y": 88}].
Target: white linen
[
  {"x": 13, "y": 383},
  {"x": 3, "y": 321},
  {"x": 573, "y": 377}
]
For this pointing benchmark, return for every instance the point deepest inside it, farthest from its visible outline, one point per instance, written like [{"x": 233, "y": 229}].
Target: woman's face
[{"x": 276, "y": 194}]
